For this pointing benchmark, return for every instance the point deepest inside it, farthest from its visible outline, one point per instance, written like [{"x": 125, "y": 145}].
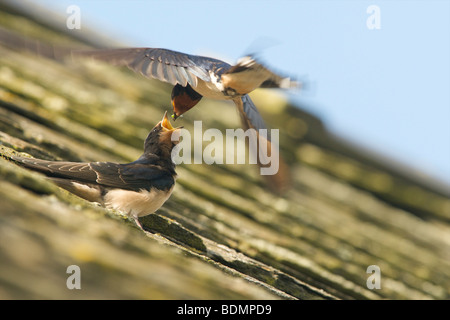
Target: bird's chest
[
  {"x": 137, "y": 204},
  {"x": 215, "y": 89}
]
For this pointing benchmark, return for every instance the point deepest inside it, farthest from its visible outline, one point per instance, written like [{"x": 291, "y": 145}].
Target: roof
[{"x": 222, "y": 234}]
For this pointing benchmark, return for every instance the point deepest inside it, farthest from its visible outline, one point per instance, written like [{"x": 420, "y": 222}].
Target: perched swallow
[
  {"x": 137, "y": 189},
  {"x": 195, "y": 77}
]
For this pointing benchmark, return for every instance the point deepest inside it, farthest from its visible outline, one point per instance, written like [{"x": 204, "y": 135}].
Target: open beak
[{"x": 165, "y": 123}]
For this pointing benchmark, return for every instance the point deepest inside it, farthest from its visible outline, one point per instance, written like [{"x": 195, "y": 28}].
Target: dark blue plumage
[{"x": 137, "y": 188}]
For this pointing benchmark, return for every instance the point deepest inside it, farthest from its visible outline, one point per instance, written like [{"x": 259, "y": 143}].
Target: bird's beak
[{"x": 165, "y": 123}]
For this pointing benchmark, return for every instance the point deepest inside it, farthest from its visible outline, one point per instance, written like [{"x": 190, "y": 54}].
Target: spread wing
[
  {"x": 162, "y": 64},
  {"x": 125, "y": 176},
  {"x": 251, "y": 119},
  {"x": 250, "y": 116}
]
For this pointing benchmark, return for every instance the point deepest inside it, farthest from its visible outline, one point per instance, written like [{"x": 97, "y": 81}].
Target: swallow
[
  {"x": 195, "y": 77},
  {"x": 137, "y": 189}
]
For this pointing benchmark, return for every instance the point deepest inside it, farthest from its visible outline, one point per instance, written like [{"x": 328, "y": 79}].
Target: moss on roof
[{"x": 222, "y": 234}]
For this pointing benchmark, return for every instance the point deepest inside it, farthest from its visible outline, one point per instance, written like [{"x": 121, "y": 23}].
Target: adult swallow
[
  {"x": 195, "y": 77},
  {"x": 137, "y": 189}
]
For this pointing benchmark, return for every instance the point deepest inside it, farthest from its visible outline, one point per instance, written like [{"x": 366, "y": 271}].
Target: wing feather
[
  {"x": 190, "y": 78},
  {"x": 69, "y": 170},
  {"x": 130, "y": 176},
  {"x": 162, "y": 64},
  {"x": 251, "y": 114},
  {"x": 146, "y": 68},
  {"x": 171, "y": 78},
  {"x": 179, "y": 76}
]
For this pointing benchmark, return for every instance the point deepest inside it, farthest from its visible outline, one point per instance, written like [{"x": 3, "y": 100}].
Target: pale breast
[
  {"x": 136, "y": 204},
  {"x": 245, "y": 81},
  {"x": 212, "y": 89}
]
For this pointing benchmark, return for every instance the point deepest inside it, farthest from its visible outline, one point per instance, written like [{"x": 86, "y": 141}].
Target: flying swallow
[
  {"x": 137, "y": 189},
  {"x": 195, "y": 77}
]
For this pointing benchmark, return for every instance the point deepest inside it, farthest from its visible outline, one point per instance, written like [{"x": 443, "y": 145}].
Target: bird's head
[
  {"x": 159, "y": 140},
  {"x": 183, "y": 99}
]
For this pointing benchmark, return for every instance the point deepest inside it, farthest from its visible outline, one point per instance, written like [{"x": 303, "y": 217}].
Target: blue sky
[{"x": 385, "y": 89}]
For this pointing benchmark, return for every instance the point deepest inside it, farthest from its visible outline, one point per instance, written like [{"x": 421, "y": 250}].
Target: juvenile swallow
[
  {"x": 137, "y": 189},
  {"x": 195, "y": 77}
]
